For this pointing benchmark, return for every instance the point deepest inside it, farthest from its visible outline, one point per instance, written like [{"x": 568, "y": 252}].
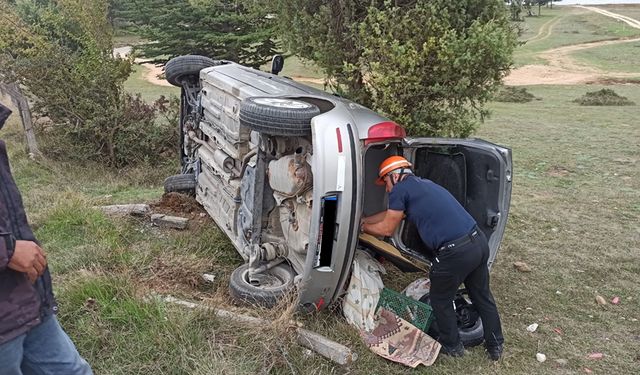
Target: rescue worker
[
  {"x": 460, "y": 248},
  {"x": 31, "y": 339}
]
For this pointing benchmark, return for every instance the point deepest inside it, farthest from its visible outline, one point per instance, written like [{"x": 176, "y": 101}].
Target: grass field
[
  {"x": 564, "y": 26},
  {"x": 575, "y": 219}
]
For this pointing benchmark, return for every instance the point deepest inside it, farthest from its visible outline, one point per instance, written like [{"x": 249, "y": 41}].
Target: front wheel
[{"x": 265, "y": 289}]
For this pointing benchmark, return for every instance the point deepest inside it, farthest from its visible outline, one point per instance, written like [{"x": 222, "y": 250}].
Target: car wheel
[
  {"x": 266, "y": 290},
  {"x": 181, "y": 183},
  {"x": 469, "y": 322},
  {"x": 278, "y": 116},
  {"x": 186, "y": 68}
]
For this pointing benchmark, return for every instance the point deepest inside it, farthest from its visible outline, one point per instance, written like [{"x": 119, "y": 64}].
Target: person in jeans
[
  {"x": 31, "y": 339},
  {"x": 461, "y": 250}
]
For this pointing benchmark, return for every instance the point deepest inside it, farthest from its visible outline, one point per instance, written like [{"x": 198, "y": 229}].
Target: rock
[
  {"x": 600, "y": 300},
  {"x": 167, "y": 221},
  {"x": 562, "y": 361},
  {"x": 208, "y": 277},
  {"x": 615, "y": 300},
  {"x": 541, "y": 357},
  {"x": 532, "y": 327},
  {"x": 596, "y": 355},
  {"x": 522, "y": 267}
]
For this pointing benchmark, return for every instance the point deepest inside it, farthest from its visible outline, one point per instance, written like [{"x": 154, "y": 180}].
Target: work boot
[
  {"x": 494, "y": 352},
  {"x": 453, "y": 351}
]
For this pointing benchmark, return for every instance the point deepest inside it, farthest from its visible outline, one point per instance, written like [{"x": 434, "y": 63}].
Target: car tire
[
  {"x": 278, "y": 116},
  {"x": 471, "y": 330},
  {"x": 182, "y": 69},
  {"x": 181, "y": 183},
  {"x": 280, "y": 282}
]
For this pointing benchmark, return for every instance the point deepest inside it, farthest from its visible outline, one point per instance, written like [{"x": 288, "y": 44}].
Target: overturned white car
[{"x": 286, "y": 171}]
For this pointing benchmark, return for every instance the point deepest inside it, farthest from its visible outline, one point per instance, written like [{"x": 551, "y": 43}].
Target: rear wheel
[
  {"x": 264, "y": 289},
  {"x": 278, "y": 116},
  {"x": 186, "y": 69}
]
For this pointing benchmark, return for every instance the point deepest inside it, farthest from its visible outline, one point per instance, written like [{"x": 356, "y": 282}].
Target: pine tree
[{"x": 233, "y": 30}]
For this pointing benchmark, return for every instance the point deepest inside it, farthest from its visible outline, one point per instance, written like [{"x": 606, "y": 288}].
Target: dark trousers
[{"x": 452, "y": 267}]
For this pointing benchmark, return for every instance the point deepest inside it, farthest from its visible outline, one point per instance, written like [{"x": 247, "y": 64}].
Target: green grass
[
  {"x": 137, "y": 84},
  {"x": 567, "y": 26},
  {"x": 629, "y": 10},
  {"x": 574, "y": 219},
  {"x": 616, "y": 58}
]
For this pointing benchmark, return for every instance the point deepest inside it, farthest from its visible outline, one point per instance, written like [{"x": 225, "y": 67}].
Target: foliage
[
  {"x": 222, "y": 29},
  {"x": 430, "y": 65},
  {"x": 513, "y": 94},
  {"x": 603, "y": 97},
  {"x": 61, "y": 51}
]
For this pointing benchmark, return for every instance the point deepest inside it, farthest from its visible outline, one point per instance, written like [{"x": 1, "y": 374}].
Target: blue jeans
[{"x": 44, "y": 350}]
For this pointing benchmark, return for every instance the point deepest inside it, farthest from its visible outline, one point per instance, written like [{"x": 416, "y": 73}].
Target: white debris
[
  {"x": 541, "y": 357},
  {"x": 558, "y": 292},
  {"x": 208, "y": 277},
  {"x": 532, "y": 327}
]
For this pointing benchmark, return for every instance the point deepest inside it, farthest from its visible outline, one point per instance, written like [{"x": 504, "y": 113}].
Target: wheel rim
[
  {"x": 282, "y": 103},
  {"x": 265, "y": 280}
]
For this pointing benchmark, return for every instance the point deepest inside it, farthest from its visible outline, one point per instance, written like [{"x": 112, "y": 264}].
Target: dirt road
[{"x": 562, "y": 69}]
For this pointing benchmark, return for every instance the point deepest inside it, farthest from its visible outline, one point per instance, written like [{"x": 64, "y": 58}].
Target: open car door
[{"x": 476, "y": 172}]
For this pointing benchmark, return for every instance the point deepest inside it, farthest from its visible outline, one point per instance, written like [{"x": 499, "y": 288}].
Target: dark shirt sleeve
[{"x": 398, "y": 198}]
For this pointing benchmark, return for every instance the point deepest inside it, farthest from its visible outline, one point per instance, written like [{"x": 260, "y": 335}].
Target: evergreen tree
[
  {"x": 429, "y": 64},
  {"x": 235, "y": 30}
]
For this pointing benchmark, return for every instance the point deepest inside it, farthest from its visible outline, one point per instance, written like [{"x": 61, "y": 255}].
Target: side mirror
[{"x": 277, "y": 63}]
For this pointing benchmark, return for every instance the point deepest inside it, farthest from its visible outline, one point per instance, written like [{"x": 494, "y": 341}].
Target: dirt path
[
  {"x": 562, "y": 69},
  {"x": 545, "y": 30},
  {"x": 152, "y": 73}
]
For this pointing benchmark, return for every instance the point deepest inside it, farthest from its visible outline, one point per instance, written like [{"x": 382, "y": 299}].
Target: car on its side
[{"x": 287, "y": 171}]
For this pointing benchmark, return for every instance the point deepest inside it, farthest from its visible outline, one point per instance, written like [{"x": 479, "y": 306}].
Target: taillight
[{"x": 384, "y": 130}]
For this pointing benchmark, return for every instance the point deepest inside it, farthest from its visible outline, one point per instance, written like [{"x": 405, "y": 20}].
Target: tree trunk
[{"x": 20, "y": 101}]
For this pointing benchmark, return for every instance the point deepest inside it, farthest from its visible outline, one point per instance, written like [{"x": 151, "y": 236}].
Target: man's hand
[{"x": 29, "y": 258}]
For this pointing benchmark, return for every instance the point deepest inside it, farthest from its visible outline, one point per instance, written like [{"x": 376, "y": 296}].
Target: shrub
[
  {"x": 132, "y": 132},
  {"x": 603, "y": 97},
  {"x": 61, "y": 53},
  {"x": 513, "y": 94}
]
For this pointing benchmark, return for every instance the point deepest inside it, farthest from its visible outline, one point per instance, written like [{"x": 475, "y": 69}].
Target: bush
[
  {"x": 513, "y": 94},
  {"x": 603, "y": 97},
  {"x": 61, "y": 53},
  {"x": 131, "y": 133}
]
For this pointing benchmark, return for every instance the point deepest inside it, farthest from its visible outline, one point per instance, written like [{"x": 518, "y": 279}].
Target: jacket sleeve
[
  {"x": 4, "y": 114},
  {"x": 7, "y": 241},
  {"x": 7, "y": 246}
]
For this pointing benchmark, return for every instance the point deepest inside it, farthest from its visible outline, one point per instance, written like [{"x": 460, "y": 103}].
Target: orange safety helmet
[{"x": 389, "y": 165}]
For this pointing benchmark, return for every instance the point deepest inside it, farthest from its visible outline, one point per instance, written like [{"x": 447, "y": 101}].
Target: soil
[{"x": 176, "y": 204}]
